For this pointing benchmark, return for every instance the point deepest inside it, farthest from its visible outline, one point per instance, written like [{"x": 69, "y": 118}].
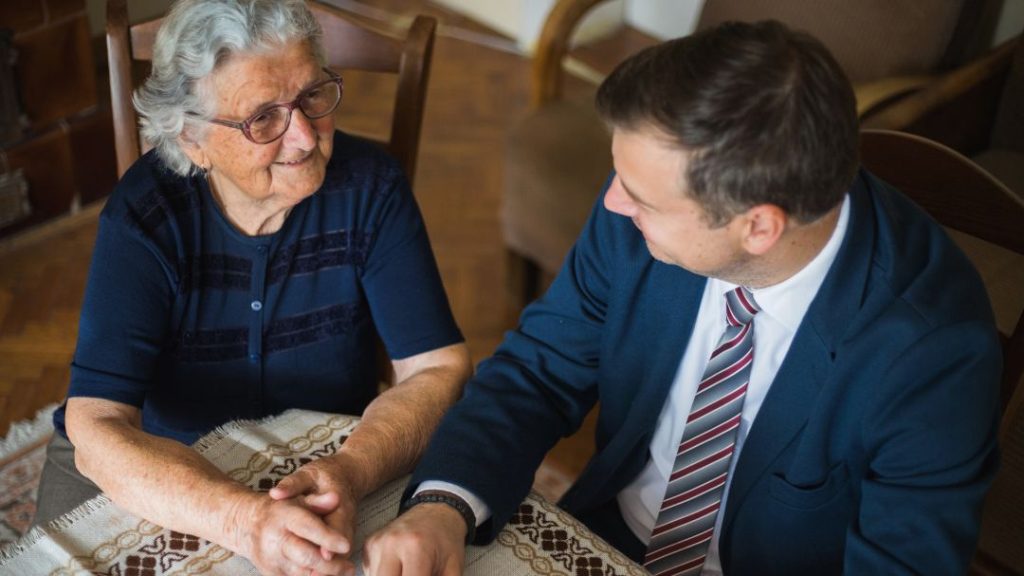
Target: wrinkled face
[
  {"x": 650, "y": 188},
  {"x": 286, "y": 170}
]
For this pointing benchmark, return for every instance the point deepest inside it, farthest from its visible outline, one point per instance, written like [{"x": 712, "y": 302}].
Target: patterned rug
[{"x": 22, "y": 453}]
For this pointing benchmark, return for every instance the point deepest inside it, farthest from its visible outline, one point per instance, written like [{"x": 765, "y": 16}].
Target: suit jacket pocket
[{"x": 810, "y": 496}]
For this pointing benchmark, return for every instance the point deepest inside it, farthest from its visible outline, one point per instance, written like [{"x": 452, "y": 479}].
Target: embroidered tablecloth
[{"x": 99, "y": 538}]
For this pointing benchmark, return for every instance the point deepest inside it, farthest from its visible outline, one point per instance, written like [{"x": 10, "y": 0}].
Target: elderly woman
[{"x": 242, "y": 268}]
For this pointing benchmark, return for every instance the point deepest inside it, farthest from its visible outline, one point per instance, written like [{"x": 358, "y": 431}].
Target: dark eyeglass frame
[{"x": 246, "y": 124}]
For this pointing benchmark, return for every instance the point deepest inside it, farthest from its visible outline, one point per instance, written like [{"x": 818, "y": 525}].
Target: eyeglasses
[{"x": 272, "y": 122}]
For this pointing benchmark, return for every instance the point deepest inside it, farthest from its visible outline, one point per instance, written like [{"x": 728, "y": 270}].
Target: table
[{"x": 100, "y": 538}]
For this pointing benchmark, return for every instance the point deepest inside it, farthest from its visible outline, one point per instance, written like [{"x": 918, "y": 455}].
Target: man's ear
[{"x": 764, "y": 224}]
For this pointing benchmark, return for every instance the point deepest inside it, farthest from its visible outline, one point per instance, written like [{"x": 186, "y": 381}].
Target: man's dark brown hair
[{"x": 766, "y": 113}]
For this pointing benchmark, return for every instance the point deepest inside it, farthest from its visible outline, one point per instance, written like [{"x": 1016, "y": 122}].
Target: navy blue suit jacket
[{"x": 871, "y": 453}]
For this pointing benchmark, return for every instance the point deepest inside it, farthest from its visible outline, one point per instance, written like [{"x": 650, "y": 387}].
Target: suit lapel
[
  {"x": 653, "y": 340},
  {"x": 808, "y": 363},
  {"x": 784, "y": 412},
  {"x": 672, "y": 309}
]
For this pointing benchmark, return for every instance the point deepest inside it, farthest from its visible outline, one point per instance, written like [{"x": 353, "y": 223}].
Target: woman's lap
[{"x": 61, "y": 486}]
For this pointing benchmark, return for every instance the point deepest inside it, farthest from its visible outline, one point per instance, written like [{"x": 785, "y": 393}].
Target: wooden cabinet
[{"x": 63, "y": 144}]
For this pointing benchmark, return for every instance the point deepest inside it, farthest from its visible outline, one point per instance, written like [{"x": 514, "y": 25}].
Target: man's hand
[
  {"x": 425, "y": 541},
  {"x": 286, "y": 538}
]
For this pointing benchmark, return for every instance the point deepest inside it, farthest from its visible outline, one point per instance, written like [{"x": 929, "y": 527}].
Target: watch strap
[{"x": 440, "y": 497}]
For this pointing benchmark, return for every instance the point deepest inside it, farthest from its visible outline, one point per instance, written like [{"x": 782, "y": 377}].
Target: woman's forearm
[
  {"x": 171, "y": 485},
  {"x": 155, "y": 478},
  {"x": 396, "y": 427}
]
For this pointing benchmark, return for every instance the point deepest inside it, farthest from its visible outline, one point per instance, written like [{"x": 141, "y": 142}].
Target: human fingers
[
  {"x": 408, "y": 549},
  {"x": 301, "y": 553},
  {"x": 297, "y": 570},
  {"x": 454, "y": 565},
  {"x": 343, "y": 519},
  {"x": 350, "y": 572},
  {"x": 308, "y": 526},
  {"x": 322, "y": 504},
  {"x": 453, "y": 568},
  {"x": 396, "y": 564},
  {"x": 296, "y": 483},
  {"x": 326, "y": 554}
]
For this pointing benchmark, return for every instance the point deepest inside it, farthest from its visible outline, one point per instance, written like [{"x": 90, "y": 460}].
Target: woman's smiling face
[{"x": 284, "y": 171}]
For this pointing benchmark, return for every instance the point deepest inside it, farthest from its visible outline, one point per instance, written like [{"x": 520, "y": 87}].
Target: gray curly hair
[{"x": 195, "y": 38}]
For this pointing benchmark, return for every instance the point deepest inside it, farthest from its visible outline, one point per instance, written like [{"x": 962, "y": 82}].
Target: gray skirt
[{"x": 61, "y": 486}]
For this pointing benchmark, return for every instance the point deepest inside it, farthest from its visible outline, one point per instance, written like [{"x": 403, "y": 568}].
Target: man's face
[{"x": 650, "y": 189}]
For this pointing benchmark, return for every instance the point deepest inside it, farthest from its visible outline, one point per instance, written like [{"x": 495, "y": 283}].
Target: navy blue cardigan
[{"x": 198, "y": 324}]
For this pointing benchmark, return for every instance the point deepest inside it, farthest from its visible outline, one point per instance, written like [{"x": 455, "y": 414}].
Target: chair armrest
[
  {"x": 876, "y": 95},
  {"x": 552, "y": 47},
  {"x": 945, "y": 90}
]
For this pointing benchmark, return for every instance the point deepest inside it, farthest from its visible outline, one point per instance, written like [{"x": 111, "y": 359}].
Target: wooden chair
[
  {"x": 558, "y": 156},
  {"x": 350, "y": 44},
  {"x": 987, "y": 221}
]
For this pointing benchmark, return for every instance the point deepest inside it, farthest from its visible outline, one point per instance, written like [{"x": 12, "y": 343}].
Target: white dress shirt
[{"x": 782, "y": 309}]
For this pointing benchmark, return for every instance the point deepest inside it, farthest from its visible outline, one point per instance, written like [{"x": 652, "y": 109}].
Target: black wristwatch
[{"x": 441, "y": 497}]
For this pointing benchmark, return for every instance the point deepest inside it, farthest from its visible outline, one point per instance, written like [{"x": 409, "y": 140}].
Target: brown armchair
[
  {"x": 977, "y": 109},
  {"x": 559, "y": 155}
]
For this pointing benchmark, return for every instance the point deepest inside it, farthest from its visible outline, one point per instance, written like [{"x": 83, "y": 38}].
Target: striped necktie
[{"x": 686, "y": 520}]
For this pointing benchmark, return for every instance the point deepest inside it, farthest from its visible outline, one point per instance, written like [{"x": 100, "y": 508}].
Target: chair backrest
[
  {"x": 553, "y": 45},
  {"x": 870, "y": 40},
  {"x": 1008, "y": 130},
  {"x": 962, "y": 196},
  {"x": 348, "y": 43},
  {"x": 958, "y": 108},
  {"x": 999, "y": 549}
]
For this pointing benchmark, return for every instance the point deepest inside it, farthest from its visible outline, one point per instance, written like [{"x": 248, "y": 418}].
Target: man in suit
[{"x": 797, "y": 370}]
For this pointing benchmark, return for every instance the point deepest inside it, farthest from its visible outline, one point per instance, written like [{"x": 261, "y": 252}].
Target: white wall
[
  {"x": 522, "y": 19},
  {"x": 602, "y": 21},
  {"x": 664, "y": 18},
  {"x": 531, "y": 20},
  {"x": 138, "y": 10},
  {"x": 1011, "y": 21},
  {"x": 502, "y": 15},
  {"x": 671, "y": 18}
]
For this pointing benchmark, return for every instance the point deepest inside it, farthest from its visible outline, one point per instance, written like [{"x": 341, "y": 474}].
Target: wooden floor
[{"x": 476, "y": 94}]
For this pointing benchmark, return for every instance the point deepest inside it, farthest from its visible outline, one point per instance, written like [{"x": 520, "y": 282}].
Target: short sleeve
[
  {"x": 125, "y": 317},
  {"x": 402, "y": 283}
]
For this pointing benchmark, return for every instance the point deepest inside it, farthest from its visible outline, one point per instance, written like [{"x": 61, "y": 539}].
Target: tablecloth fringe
[
  {"x": 24, "y": 432},
  {"x": 57, "y": 524},
  {"x": 218, "y": 433}
]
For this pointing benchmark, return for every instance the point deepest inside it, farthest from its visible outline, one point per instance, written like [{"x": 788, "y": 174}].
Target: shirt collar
[{"x": 788, "y": 301}]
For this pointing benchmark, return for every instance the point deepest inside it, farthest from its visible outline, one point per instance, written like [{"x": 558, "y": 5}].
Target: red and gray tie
[{"x": 686, "y": 520}]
